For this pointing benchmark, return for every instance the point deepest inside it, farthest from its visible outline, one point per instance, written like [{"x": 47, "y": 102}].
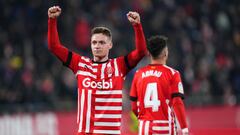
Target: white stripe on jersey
[
  {"x": 81, "y": 113},
  {"x": 116, "y": 67},
  {"x": 94, "y": 64},
  {"x": 160, "y": 121},
  {"x": 110, "y": 92},
  {"x": 102, "y": 70},
  {"x": 138, "y": 108},
  {"x": 78, "y": 108},
  {"x": 108, "y": 100},
  {"x": 109, "y": 66},
  {"x": 85, "y": 59},
  {"x": 86, "y": 66},
  {"x": 79, "y": 72},
  {"x": 170, "y": 119},
  {"x": 107, "y": 131},
  {"x": 171, "y": 69},
  {"x": 140, "y": 128},
  {"x": 160, "y": 128},
  {"x": 146, "y": 129},
  {"x": 107, "y": 115},
  {"x": 116, "y": 124},
  {"x": 119, "y": 108},
  {"x": 160, "y": 134},
  {"x": 88, "y": 111}
]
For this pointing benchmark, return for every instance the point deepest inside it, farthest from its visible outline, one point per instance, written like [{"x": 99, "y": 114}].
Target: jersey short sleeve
[{"x": 176, "y": 86}]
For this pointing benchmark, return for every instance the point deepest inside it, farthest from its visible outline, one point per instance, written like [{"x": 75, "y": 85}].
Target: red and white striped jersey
[
  {"x": 99, "y": 84},
  {"x": 99, "y": 94},
  {"x": 153, "y": 88}
]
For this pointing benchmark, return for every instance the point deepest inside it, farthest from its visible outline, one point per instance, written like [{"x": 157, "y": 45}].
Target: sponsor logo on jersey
[
  {"x": 109, "y": 71},
  {"x": 99, "y": 85}
]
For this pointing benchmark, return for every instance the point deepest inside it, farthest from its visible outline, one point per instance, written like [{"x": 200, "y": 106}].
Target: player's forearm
[
  {"x": 53, "y": 39},
  {"x": 140, "y": 40},
  {"x": 54, "y": 44},
  {"x": 179, "y": 110},
  {"x": 136, "y": 55}
]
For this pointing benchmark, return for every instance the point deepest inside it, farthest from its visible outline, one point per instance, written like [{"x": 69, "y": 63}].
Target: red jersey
[
  {"x": 99, "y": 94},
  {"x": 99, "y": 84},
  {"x": 153, "y": 87}
]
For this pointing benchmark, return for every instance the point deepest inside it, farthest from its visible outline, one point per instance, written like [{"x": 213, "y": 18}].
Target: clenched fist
[
  {"x": 54, "y": 12},
  {"x": 133, "y": 17}
]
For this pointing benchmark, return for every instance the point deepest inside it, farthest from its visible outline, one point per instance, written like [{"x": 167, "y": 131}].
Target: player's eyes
[
  {"x": 102, "y": 42},
  {"x": 98, "y": 42}
]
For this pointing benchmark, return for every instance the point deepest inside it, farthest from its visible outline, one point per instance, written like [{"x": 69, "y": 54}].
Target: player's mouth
[{"x": 97, "y": 51}]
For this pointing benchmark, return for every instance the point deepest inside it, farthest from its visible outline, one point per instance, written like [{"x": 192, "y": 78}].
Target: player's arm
[
  {"x": 177, "y": 102},
  {"x": 54, "y": 44},
  {"x": 68, "y": 58},
  {"x": 136, "y": 55},
  {"x": 179, "y": 110},
  {"x": 133, "y": 96}
]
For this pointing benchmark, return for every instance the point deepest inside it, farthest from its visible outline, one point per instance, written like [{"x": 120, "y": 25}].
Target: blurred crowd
[{"x": 204, "y": 44}]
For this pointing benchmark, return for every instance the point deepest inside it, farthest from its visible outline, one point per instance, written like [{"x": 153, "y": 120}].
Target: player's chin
[{"x": 98, "y": 55}]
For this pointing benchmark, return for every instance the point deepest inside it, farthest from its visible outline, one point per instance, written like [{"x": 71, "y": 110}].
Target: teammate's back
[
  {"x": 157, "y": 93},
  {"x": 155, "y": 85}
]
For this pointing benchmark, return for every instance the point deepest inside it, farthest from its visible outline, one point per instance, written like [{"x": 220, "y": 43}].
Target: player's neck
[
  {"x": 158, "y": 61},
  {"x": 100, "y": 59}
]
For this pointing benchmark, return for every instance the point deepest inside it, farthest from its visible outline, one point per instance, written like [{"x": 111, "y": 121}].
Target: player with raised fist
[{"x": 100, "y": 79}]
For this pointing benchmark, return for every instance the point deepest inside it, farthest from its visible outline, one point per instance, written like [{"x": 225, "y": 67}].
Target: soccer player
[
  {"x": 100, "y": 80},
  {"x": 157, "y": 92}
]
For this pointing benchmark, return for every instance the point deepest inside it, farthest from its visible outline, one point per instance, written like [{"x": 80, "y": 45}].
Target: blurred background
[{"x": 38, "y": 95}]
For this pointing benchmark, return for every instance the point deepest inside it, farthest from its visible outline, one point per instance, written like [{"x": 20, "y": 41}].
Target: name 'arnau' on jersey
[{"x": 151, "y": 73}]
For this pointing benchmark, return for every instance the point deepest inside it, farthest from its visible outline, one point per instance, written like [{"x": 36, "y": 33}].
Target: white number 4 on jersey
[{"x": 151, "y": 97}]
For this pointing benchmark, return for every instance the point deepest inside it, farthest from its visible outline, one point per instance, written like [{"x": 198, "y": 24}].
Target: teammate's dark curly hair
[{"x": 156, "y": 44}]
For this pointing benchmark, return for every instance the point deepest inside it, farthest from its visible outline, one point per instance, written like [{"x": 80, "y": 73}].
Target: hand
[
  {"x": 54, "y": 12},
  {"x": 185, "y": 131},
  {"x": 133, "y": 17}
]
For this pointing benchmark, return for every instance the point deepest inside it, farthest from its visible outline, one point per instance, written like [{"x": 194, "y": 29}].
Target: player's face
[{"x": 100, "y": 45}]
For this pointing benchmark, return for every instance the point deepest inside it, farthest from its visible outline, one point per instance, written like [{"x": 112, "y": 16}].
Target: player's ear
[
  {"x": 110, "y": 45},
  {"x": 163, "y": 53},
  {"x": 166, "y": 54},
  {"x": 148, "y": 53}
]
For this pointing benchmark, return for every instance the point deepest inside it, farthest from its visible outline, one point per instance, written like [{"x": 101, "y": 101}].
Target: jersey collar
[
  {"x": 155, "y": 64},
  {"x": 100, "y": 62}
]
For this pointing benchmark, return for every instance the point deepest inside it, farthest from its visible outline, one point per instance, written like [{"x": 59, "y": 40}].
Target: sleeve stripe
[
  {"x": 178, "y": 95},
  {"x": 126, "y": 62},
  {"x": 133, "y": 98},
  {"x": 69, "y": 58}
]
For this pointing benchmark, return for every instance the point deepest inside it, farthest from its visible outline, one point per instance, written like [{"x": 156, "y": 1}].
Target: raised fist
[
  {"x": 54, "y": 12},
  {"x": 133, "y": 17}
]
